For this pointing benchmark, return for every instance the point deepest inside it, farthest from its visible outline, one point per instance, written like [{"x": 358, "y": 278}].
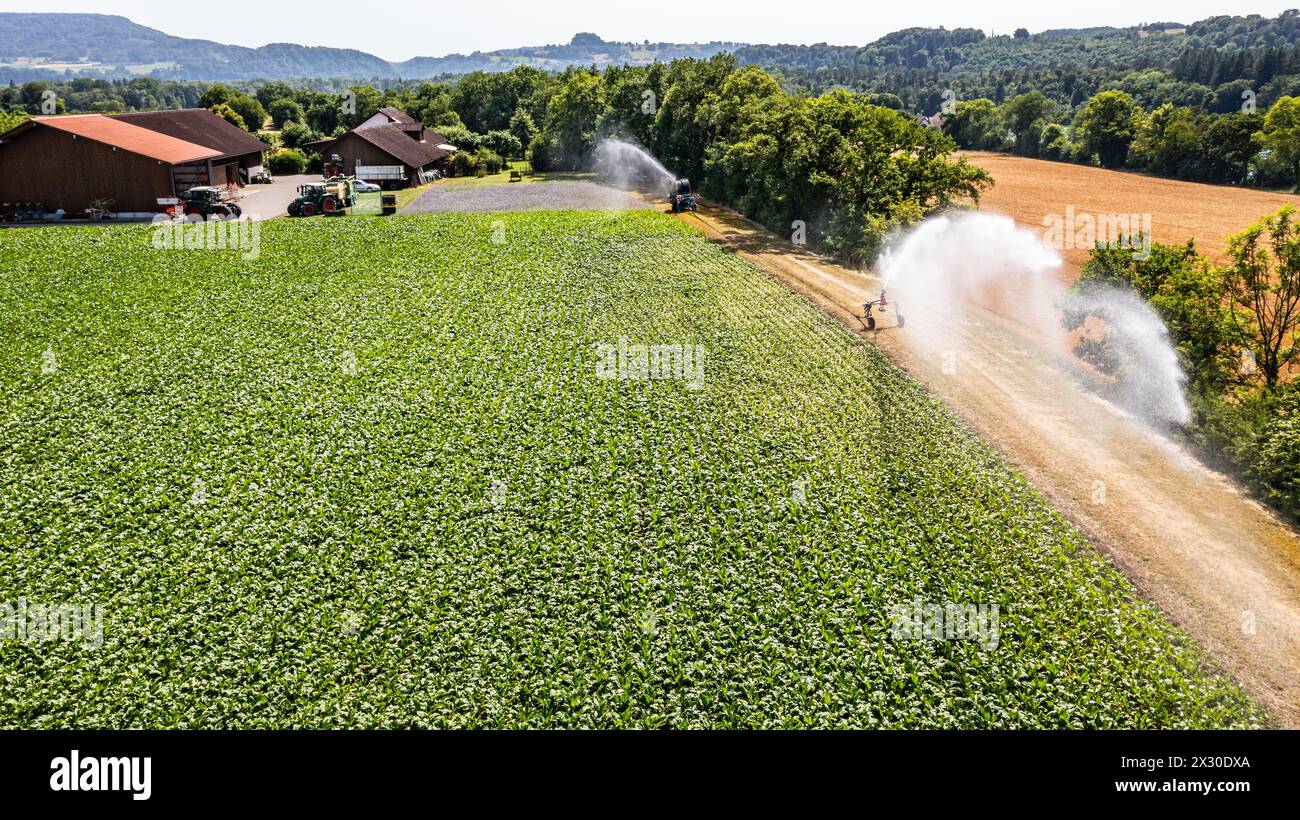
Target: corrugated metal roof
[
  {"x": 129, "y": 137},
  {"x": 199, "y": 126}
]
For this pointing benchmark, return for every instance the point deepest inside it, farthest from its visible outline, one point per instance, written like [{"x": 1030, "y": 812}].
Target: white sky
[{"x": 400, "y": 29}]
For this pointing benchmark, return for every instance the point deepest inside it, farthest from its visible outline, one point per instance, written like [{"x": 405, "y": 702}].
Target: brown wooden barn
[
  {"x": 390, "y": 149},
  {"x": 67, "y": 162}
]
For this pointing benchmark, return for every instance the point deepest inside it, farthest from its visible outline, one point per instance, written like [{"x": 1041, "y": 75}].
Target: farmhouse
[
  {"x": 70, "y": 161},
  {"x": 390, "y": 148}
]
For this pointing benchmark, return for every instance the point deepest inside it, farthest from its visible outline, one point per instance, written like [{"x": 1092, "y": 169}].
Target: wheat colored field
[{"x": 1029, "y": 190}]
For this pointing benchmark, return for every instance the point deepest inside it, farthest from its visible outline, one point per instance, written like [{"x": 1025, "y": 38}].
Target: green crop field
[{"x": 374, "y": 477}]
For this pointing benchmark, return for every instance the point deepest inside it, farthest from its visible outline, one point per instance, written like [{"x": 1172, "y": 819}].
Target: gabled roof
[
  {"x": 127, "y": 137},
  {"x": 397, "y": 115},
  {"x": 199, "y": 126},
  {"x": 394, "y": 141}
]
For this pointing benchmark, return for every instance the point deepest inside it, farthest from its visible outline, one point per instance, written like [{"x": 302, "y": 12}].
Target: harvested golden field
[{"x": 1033, "y": 190}]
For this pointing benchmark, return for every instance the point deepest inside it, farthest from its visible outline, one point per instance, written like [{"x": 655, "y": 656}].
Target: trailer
[{"x": 382, "y": 175}]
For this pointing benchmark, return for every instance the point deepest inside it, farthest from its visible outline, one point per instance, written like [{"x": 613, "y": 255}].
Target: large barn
[
  {"x": 67, "y": 162},
  {"x": 391, "y": 148}
]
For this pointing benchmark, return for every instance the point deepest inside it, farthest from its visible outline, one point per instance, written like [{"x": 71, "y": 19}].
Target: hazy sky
[{"x": 399, "y": 29}]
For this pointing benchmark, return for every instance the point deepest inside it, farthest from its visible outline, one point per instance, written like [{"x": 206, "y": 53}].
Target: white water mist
[
  {"x": 625, "y": 164},
  {"x": 947, "y": 265}
]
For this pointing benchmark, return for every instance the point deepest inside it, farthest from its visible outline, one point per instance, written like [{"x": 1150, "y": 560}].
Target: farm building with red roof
[{"x": 133, "y": 160}]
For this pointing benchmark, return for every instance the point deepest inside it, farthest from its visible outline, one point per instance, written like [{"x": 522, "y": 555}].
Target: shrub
[
  {"x": 462, "y": 164},
  {"x": 295, "y": 135},
  {"x": 287, "y": 161},
  {"x": 504, "y": 143},
  {"x": 284, "y": 112},
  {"x": 490, "y": 161},
  {"x": 1275, "y": 469},
  {"x": 539, "y": 153},
  {"x": 475, "y": 163},
  {"x": 461, "y": 137}
]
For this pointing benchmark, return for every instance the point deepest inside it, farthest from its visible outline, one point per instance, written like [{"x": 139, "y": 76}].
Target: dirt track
[{"x": 1218, "y": 563}]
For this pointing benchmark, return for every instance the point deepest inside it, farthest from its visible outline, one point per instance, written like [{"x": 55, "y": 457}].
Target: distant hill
[
  {"x": 36, "y": 46},
  {"x": 970, "y": 51},
  {"x": 45, "y": 46}
]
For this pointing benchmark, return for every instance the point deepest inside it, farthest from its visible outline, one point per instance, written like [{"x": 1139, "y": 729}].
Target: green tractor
[
  {"x": 329, "y": 197},
  {"x": 204, "y": 201}
]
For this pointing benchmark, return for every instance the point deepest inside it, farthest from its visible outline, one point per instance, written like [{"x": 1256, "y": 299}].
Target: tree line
[{"x": 1246, "y": 147}]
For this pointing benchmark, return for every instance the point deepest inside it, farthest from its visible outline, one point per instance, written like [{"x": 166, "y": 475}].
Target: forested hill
[
  {"x": 1206, "y": 64},
  {"x": 40, "y": 46},
  {"x": 966, "y": 50}
]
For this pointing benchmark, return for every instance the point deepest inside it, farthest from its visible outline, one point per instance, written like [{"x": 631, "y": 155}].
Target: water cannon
[
  {"x": 882, "y": 305},
  {"x": 681, "y": 198}
]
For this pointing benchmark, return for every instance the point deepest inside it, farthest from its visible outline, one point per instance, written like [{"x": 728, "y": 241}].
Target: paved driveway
[
  {"x": 529, "y": 196},
  {"x": 269, "y": 201}
]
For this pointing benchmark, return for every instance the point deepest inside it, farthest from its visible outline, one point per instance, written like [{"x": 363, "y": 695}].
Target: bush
[
  {"x": 461, "y": 137},
  {"x": 504, "y": 143},
  {"x": 287, "y": 161},
  {"x": 475, "y": 163},
  {"x": 1275, "y": 469},
  {"x": 295, "y": 135},
  {"x": 490, "y": 161},
  {"x": 286, "y": 111},
  {"x": 539, "y": 153},
  {"x": 462, "y": 164}
]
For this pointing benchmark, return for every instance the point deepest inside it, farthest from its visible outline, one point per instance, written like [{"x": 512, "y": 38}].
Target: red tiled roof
[{"x": 128, "y": 137}]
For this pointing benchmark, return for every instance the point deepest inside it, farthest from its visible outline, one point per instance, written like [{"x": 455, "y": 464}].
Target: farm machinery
[
  {"x": 204, "y": 201},
  {"x": 22, "y": 211},
  {"x": 880, "y": 305},
  {"x": 681, "y": 197},
  {"x": 329, "y": 197}
]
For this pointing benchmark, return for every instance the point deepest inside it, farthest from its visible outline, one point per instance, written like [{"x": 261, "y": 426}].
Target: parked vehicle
[
  {"x": 204, "y": 201},
  {"x": 22, "y": 211},
  {"x": 385, "y": 176},
  {"x": 363, "y": 187}
]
